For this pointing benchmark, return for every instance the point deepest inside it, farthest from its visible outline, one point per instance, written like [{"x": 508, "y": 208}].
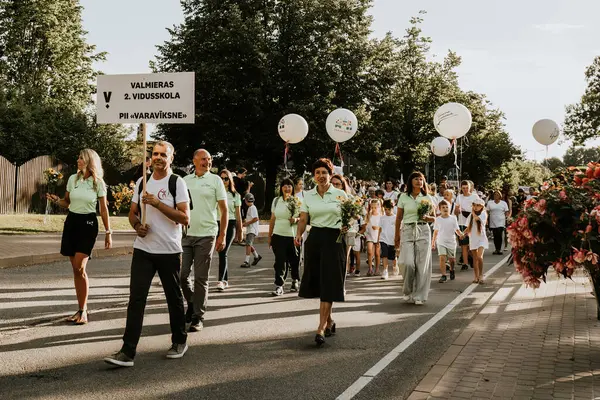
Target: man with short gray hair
[
  {"x": 208, "y": 194},
  {"x": 157, "y": 248}
]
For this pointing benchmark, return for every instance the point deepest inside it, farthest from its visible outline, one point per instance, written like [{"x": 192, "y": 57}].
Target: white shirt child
[
  {"x": 446, "y": 228},
  {"x": 250, "y": 215},
  {"x": 388, "y": 229}
]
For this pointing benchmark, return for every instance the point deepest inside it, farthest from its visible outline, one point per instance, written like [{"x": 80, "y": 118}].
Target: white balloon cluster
[
  {"x": 341, "y": 125},
  {"x": 452, "y": 121}
]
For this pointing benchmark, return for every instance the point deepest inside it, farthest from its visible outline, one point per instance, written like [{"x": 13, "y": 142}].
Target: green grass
[{"x": 34, "y": 223}]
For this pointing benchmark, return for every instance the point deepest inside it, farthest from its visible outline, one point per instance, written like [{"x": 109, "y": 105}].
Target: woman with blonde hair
[{"x": 85, "y": 190}]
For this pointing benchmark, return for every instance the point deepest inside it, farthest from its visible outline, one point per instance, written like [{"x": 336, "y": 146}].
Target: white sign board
[{"x": 152, "y": 98}]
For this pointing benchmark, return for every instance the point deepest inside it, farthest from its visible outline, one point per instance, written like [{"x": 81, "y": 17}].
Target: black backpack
[{"x": 172, "y": 190}]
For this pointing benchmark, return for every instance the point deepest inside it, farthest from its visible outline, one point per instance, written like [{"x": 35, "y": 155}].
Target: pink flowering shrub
[{"x": 560, "y": 228}]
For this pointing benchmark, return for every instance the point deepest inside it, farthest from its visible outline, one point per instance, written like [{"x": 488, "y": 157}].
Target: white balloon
[
  {"x": 341, "y": 125},
  {"x": 546, "y": 131},
  {"x": 452, "y": 120},
  {"x": 293, "y": 128},
  {"x": 440, "y": 146}
]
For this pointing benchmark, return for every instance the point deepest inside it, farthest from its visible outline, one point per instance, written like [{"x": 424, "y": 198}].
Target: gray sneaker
[
  {"x": 119, "y": 359},
  {"x": 177, "y": 350}
]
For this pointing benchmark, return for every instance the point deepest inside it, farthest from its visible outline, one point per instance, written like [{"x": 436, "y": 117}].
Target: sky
[{"x": 527, "y": 56}]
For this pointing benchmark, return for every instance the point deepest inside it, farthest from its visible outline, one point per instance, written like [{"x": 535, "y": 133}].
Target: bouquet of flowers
[
  {"x": 425, "y": 208},
  {"x": 293, "y": 205},
  {"x": 351, "y": 208},
  {"x": 122, "y": 194},
  {"x": 560, "y": 229},
  {"x": 53, "y": 178}
]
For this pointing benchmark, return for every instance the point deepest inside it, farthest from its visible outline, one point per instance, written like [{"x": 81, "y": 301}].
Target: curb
[
  {"x": 23, "y": 261},
  {"x": 426, "y": 385}
]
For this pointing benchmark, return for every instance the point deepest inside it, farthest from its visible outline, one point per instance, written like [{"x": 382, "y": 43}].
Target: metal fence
[{"x": 22, "y": 188}]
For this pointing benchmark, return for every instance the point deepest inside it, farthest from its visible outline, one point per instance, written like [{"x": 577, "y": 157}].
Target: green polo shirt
[
  {"x": 410, "y": 206},
  {"x": 324, "y": 211},
  {"x": 233, "y": 201},
  {"x": 206, "y": 191},
  {"x": 82, "y": 195},
  {"x": 282, "y": 227}
]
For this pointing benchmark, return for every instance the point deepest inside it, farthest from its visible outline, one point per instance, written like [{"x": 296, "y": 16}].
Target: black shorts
[
  {"x": 465, "y": 241},
  {"x": 388, "y": 251},
  {"x": 79, "y": 234}
]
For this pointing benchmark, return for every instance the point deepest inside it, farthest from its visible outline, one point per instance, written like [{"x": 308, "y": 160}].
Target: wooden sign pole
[{"x": 145, "y": 150}]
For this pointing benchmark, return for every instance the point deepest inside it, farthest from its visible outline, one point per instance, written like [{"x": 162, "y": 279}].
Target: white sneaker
[
  {"x": 226, "y": 284},
  {"x": 396, "y": 271},
  {"x": 278, "y": 291},
  {"x": 418, "y": 303},
  {"x": 407, "y": 298},
  {"x": 220, "y": 286},
  {"x": 384, "y": 275}
]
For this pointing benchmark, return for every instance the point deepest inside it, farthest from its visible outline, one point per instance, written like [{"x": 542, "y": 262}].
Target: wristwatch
[{"x": 109, "y": 232}]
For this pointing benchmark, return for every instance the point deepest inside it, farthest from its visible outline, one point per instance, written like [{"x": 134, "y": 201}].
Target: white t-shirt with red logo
[{"x": 164, "y": 235}]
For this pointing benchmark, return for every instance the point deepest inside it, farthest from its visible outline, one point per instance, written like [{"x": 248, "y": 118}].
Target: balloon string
[
  {"x": 338, "y": 151},
  {"x": 455, "y": 154},
  {"x": 285, "y": 155}
]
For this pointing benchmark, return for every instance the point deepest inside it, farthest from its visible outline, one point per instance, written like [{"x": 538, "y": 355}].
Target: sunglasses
[{"x": 226, "y": 179}]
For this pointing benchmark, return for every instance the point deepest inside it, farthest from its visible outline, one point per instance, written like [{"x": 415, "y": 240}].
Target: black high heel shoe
[
  {"x": 329, "y": 331},
  {"x": 319, "y": 340}
]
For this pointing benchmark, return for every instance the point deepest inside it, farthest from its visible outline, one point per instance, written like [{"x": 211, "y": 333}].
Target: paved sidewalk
[
  {"x": 18, "y": 250},
  {"x": 524, "y": 344}
]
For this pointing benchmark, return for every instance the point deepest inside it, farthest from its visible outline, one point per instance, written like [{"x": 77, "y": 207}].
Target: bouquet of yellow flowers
[
  {"x": 122, "y": 194},
  {"x": 351, "y": 208},
  {"x": 425, "y": 208},
  {"x": 293, "y": 205},
  {"x": 53, "y": 178}
]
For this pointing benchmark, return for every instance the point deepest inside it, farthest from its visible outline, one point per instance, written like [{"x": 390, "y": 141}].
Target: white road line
[{"x": 368, "y": 376}]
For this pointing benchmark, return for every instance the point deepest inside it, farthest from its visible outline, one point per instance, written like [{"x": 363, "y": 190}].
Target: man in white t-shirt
[{"x": 157, "y": 248}]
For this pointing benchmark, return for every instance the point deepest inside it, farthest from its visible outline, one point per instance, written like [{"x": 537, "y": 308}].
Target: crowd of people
[{"x": 181, "y": 221}]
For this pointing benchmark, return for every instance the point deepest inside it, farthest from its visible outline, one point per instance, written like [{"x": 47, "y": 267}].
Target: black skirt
[
  {"x": 79, "y": 234},
  {"x": 324, "y": 266}
]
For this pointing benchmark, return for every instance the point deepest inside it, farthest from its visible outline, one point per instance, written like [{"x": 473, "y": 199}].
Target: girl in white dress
[
  {"x": 478, "y": 240},
  {"x": 372, "y": 234}
]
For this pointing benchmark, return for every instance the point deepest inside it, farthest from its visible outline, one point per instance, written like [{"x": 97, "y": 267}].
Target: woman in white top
[
  {"x": 499, "y": 211},
  {"x": 464, "y": 203},
  {"x": 389, "y": 193},
  {"x": 372, "y": 236}
]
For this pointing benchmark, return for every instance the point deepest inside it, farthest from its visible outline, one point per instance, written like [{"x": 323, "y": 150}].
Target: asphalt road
[{"x": 254, "y": 346}]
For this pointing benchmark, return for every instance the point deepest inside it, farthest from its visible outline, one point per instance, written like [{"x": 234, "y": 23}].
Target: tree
[
  {"x": 256, "y": 61},
  {"x": 44, "y": 52},
  {"x": 579, "y": 156},
  {"x": 46, "y": 85},
  {"x": 554, "y": 164},
  {"x": 400, "y": 129},
  {"x": 28, "y": 130},
  {"x": 583, "y": 119},
  {"x": 518, "y": 172}
]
